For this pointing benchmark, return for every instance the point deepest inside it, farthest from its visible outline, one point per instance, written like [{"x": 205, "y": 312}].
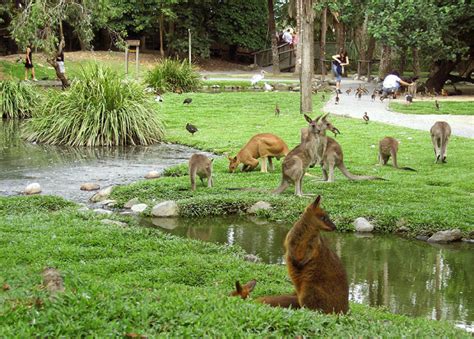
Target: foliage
[
  {"x": 128, "y": 281},
  {"x": 445, "y": 107},
  {"x": 227, "y": 120},
  {"x": 172, "y": 75},
  {"x": 99, "y": 109},
  {"x": 17, "y": 99}
]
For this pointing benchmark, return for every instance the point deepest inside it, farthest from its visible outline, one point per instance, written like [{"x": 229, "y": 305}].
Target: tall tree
[
  {"x": 273, "y": 37},
  {"x": 322, "y": 41},
  {"x": 307, "y": 59}
]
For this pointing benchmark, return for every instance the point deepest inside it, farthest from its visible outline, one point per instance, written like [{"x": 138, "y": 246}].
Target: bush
[
  {"x": 173, "y": 76},
  {"x": 100, "y": 109},
  {"x": 16, "y": 99}
]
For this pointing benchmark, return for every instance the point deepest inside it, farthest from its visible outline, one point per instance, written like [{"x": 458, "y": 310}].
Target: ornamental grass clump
[
  {"x": 17, "y": 99},
  {"x": 99, "y": 109},
  {"x": 172, "y": 75}
]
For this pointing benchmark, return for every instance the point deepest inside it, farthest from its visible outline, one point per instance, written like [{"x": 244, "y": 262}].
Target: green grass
[
  {"x": 172, "y": 75},
  {"x": 445, "y": 107},
  {"x": 17, "y": 99},
  {"x": 124, "y": 280},
  {"x": 436, "y": 197}
]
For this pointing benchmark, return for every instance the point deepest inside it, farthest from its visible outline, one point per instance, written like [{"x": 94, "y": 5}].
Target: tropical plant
[
  {"x": 100, "y": 109},
  {"x": 16, "y": 99},
  {"x": 173, "y": 75}
]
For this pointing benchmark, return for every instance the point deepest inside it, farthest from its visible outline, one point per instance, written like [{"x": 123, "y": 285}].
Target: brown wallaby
[
  {"x": 263, "y": 145},
  {"x": 440, "y": 133},
  {"x": 388, "y": 147},
  {"x": 202, "y": 166},
  {"x": 297, "y": 161},
  {"x": 317, "y": 273}
]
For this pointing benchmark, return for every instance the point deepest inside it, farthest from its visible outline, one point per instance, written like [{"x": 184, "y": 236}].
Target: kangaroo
[
  {"x": 297, "y": 161},
  {"x": 440, "y": 133},
  {"x": 388, "y": 147},
  {"x": 264, "y": 145},
  {"x": 202, "y": 166},
  {"x": 317, "y": 273}
]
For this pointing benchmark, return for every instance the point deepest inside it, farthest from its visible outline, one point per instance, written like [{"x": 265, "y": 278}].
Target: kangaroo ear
[
  {"x": 238, "y": 287},
  {"x": 317, "y": 201},
  {"x": 230, "y": 158},
  {"x": 308, "y": 119},
  {"x": 212, "y": 159},
  {"x": 325, "y": 116},
  {"x": 317, "y": 119},
  {"x": 251, "y": 285}
]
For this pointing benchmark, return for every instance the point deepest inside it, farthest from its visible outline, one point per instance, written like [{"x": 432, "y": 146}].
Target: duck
[{"x": 191, "y": 128}]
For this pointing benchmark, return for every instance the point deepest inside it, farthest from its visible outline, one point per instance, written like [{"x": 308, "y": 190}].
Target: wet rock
[
  {"x": 108, "y": 203},
  {"x": 103, "y": 194},
  {"x": 83, "y": 209},
  {"x": 89, "y": 186},
  {"x": 259, "y": 206},
  {"x": 131, "y": 202},
  {"x": 471, "y": 235},
  {"x": 168, "y": 223},
  {"x": 446, "y": 236},
  {"x": 152, "y": 175},
  {"x": 139, "y": 208},
  {"x": 165, "y": 209},
  {"x": 113, "y": 222},
  {"x": 422, "y": 237},
  {"x": 102, "y": 211},
  {"x": 33, "y": 188},
  {"x": 469, "y": 241},
  {"x": 363, "y": 225},
  {"x": 402, "y": 229},
  {"x": 252, "y": 258}
]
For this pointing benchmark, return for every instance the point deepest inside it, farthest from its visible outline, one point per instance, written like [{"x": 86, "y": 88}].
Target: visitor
[
  {"x": 295, "y": 39},
  {"x": 339, "y": 61},
  {"x": 287, "y": 37},
  {"x": 392, "y": 83},
  {"x": 29, "y": 64},
  {"x": 60, "y": 62}
]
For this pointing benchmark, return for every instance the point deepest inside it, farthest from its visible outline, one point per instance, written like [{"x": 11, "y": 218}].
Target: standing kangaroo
[
  {"x": 200, "y": 165},
  {"x": 264, "y": 145},
  {"x": 388, "y": 147},
  {"x": 317, "y": 273},
  {"x": 297, "y": 161},
  {"x": 440, "y": 133}
]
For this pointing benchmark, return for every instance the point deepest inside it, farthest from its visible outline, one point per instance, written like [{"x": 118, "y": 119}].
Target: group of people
[
  {"x": 31, "y": 68},
  {"x": 289, "y": 37}
]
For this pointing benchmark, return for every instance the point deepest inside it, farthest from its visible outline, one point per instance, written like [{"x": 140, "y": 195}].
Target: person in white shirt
[
  {"x": 287, "y": 37},
  {"x": 392, "y": 83}
]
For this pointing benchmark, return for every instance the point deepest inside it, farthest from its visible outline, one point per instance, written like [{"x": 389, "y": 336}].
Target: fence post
[{"x": 368, "y": 71}]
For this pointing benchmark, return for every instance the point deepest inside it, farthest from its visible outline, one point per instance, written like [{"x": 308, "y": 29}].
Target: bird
[
  {"x": 267, "y": 87},
  {"x": 337, "y": 98},
  {"x": 359, "y": 95},
  {"x": 159, "y": 98},
  {"x": 349, "y": 91},
  {"x": 277, "y": 110},
  {"x": 373, "y": 96},
  {"x": 366, "y": 118},
  {"x": 437, "y": 105},
  {"x": 257, "y": 77},
  {"x": 178, "y": 90},
  {"x": 409, "y": 98},
  {"x": 191, "y": 128},
  {"x": 187, "y": 101},
  {"x": 149, "y": 90},
  {"x": 323, "y": 97}
]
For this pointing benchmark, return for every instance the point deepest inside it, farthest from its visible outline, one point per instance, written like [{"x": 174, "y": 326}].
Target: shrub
[
  {"x": 16, "y": 99},
  {"x": 173, "y": 75},
  {"x": 100, "y": 109}
]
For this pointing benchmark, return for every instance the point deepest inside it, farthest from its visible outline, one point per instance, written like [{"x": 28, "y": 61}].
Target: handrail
[{"x": 269, "y": 49}]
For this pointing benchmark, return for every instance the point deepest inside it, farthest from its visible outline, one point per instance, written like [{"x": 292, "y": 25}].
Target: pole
[
  {"x": 189, "y": 46},
  {"x": 136, "y": 61},
  {"x": 126, "y": 60}
]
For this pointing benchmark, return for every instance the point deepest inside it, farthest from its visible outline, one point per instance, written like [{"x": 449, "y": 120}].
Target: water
[
  {"x": 406, "y": 276},
  {"x": 62, "y": 170}
]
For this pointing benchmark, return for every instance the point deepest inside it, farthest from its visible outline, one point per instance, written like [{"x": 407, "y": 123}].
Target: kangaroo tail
[
  {"x": 407, "y": 169},
  {"x": 351, "y": 176},
  {"x": 250, "y": 189},
  {"x": 283, "y": 186}
]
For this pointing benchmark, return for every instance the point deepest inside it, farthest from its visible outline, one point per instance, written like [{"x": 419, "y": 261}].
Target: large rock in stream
[
  {"x": 446, "y": 236},
  {"x": 165, "y": 209},
  {"x": 103, "y": 194}
]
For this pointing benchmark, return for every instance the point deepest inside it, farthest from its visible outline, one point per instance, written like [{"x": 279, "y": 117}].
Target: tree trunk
[
  {"x": 385, "y": 61},
  {"x": 272, "y": 30},
  {"x": 299, "y": 45},
  {"x": 403, "y": 60},
  {"x": 170, "y": 36},
  {"x": 416, "y": 62},
  {"x": 307, "y": 61},
  {"x": 162, "y": 50},
  {"x": 439, "y": 74},
  {"x": 368, "y": 53},
  {"x": 322, "y": 43},
  {"x": 340, "y": 36}
]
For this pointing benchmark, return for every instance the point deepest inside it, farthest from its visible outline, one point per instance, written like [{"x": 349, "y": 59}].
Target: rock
[
  {"x": 102, "y": 211},
  {"x": 281, "y": 87},
  {"x": 446, "y": 236},
  {"x": 363, "y": 78},
  {"x": 108, "y": 202},
  {"x": 259, "y": 206},
  {"x": 469, "y": 241},
  {"x": 471, "y": 235},
  {"x": 33, "y": 188},
  {"x": 113, "y": 222},
  {"x": 422, "y": 237},
  {"x": 402, "y": 229},
  {"x": 139, "y": 208},
  {"x": 131, "y": 202},
  {"x": 331, "y": 82},
  {"x": 83, "y": 209},
  {"x": 89, "y": 186},
  {"x": 168, "y": 223},
  {"x": 152, "y": 175},
  {"x": 126, "y": 213},
  {"x": 355, "y": 76},
  {"x": 252, "y": 258},
  {"x": 363, "y": 225},
  {"x": 103, "y": 194},
  {"x": 165, "y": 209}
]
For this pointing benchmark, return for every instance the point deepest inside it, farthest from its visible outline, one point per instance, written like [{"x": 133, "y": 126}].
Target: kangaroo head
[
  {"x": 233, "y": 163},
  {"x": 243, "y": 291},
  {"x": 325, "y": 124},
  {"x": 313, "y": 126},
  {"x": 318, "y": 217}
]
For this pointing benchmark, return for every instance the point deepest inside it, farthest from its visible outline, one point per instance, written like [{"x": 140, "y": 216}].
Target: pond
[
  {"x": 62, "y": 170},
  {"x": 405, "y": 276}
]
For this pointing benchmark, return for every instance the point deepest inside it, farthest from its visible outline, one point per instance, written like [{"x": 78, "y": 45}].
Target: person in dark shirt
[
  {"x": 29, "y": 64},
  {"x": 339, "y": 61}
]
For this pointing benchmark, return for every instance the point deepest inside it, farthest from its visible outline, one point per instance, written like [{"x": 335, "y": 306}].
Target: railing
[{"x": 369, "y": 66}]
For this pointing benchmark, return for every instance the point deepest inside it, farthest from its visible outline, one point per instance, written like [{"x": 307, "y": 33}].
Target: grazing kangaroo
[
  {"x": 202, "y": 166},
  {"x": 297, "y": 161},
  {"x": 440, "y": 133},
  {"x": 388, "y": 147},
  {"x": 317, "y": 273},
  {"x": 264, "y": 145}
]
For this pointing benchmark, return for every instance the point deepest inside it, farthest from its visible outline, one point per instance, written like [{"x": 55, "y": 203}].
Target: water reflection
[{"x": 407, "y": 276}]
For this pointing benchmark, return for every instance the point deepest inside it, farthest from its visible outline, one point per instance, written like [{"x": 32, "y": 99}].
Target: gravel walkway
[{"x": 349, "y": 105}]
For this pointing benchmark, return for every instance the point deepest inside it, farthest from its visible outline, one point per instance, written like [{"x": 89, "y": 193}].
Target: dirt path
[{"x": 349, "y": 105}]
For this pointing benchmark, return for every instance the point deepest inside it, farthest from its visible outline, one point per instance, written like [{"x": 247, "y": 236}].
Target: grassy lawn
[
  {"x": 428, "y": 107},
  {"x": 436, "y": 197},
  {"x": 131, "y": 280}
]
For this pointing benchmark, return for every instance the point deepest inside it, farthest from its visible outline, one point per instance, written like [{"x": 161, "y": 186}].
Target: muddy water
[
  {"x": 406, "y": 276},
  {"x": 61, "y": 170}
]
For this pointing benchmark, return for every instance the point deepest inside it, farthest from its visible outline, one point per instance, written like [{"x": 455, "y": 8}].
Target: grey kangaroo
[
  {"x": 297, "y": 161},
  {"x": 202, "y": 166},
  {"x": 440, "y": 133},
  {"x": 388, "y": 147}
]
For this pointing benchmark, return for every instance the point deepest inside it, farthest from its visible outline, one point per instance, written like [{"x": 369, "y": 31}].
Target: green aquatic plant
[
  {"x": 172, "y": 75},
  {"x": 17, "y": 99}
]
